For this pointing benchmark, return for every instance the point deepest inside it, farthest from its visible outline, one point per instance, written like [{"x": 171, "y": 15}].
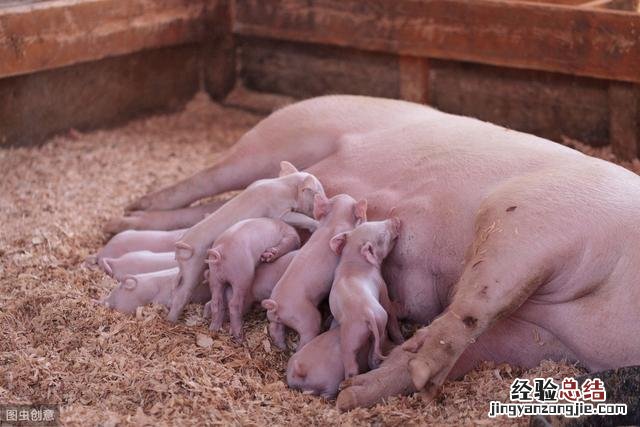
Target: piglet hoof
[
  {"x": 238, "y": 337},
  {"x": 215, "y": 324},
  {"x": 269, "y": 255},
  {"x": 172, "y": 317},
  {"x": 391, "y": 379},
  {"x": 206, "y": 312},
  {"x": 279, "y": 343},
  {"x": 91, "y": 262}
]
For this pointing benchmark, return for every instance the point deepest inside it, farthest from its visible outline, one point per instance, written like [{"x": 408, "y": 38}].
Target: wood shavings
[{"x": 57, "y": 346}]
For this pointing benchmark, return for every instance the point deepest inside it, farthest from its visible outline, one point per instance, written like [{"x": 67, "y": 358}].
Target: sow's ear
[
  {"x": 369, "y": 254},
  {"x": 287, "y": 168},
  {"x": 321, "y": 206},
  {"x": 337, "y": 243},
  {"x": 360, "y": 211}
]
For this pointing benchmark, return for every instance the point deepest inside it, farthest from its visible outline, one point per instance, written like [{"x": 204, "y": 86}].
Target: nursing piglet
[
  {"x": 359, "y": 299},
  {"x": 307, "y": 281},
  {"x": 135, "y": 291},
  {"x": 318, "y": 368},
  {"x": 134, "y": 240},
  {"x": 233, "y": 259},
  {"x": 139, "y": 262},
  {"x": 267, "y": 275}
]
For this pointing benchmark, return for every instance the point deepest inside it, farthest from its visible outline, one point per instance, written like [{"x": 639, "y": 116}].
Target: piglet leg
[
  {"x": 217, "y": 306},
  {"x": 277, "y": 333},
  {"x": 237, "y": 303},
  {"x": 309, "y": 325},
  {"x": 288, "y": 243},
  {"x": 353, "y": 337},
  {"x": 298, "y": 220}
]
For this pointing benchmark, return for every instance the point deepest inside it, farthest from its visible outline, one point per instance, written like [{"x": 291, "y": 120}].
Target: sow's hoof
[{"x": 622, "y": 386}]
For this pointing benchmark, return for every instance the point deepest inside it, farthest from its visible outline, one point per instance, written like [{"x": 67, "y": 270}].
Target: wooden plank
[
  {"x": 256, "y": 102},
  {"x": 300, "y": 70},
  {"x": 631, "y": 5},
  {"x": 550, "y": 105},
  {"x": 539, "y": 36},
  {"x": 56, "y": 33},
  {"x": 624, "y": 110},
  {"x": 97, "y": 94},
  {"x": 219, "y": 52},
  {"x": 414, "y": 79}
]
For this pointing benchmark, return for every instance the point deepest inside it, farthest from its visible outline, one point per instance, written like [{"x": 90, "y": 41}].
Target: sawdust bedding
[{"x": 107, "y": 368}]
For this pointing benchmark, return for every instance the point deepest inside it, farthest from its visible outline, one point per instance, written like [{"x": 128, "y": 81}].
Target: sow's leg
[
  {"x": 162, "y": 220},
  {"x": 512, "y": 255},
  {"x": 256, "y": 155}
]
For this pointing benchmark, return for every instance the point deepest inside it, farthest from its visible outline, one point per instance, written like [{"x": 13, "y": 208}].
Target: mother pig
[{"x": 515, "y": 249}]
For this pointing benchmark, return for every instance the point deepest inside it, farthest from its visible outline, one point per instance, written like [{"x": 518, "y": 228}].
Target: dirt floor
[{"x": 56, "y": 346}]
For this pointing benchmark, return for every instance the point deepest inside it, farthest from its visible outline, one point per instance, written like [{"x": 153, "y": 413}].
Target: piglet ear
[
  {"x": 321, "y": 206},
  {"x": 369, "y": 254},
  {"x": 287, "y": 168},
  {"x": 360, "y": 211},
  {"x": 298, "y": 369},
  {"x": 130, "y": 282},
  {"x": 396, "y": 223},
  {"x": 337, "y": 243},
  {"x": 309, "y": 184}
]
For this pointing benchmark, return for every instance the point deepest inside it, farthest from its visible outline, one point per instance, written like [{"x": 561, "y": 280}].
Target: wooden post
[
  {"x": 624, "y": 120},
  {"x": 219, "y": 51},
  {"x": 414, "y": 79}
]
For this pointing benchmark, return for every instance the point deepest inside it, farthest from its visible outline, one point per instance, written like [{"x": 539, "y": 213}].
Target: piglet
[
  {"x": 359, "y": 299},
  {"x": 292, "y": 192},
  {"x": 233, "y": 259},
  {"x": 139, "y": 262},
  {"x": 134, "y": 240},
  {"x": 267, "y": 275},
  {"x": 318, "y": 368},
  {"x": 307, "y": 281},
  {"x": 135, "y": 291}
]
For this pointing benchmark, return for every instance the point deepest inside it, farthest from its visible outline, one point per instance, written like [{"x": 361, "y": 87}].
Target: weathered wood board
[
  {"x": 518, "y": 34},
  {"x": 302, "y": 70},
  {"x": 53, "y": 34},
  {"x": 96, "y": 94}
]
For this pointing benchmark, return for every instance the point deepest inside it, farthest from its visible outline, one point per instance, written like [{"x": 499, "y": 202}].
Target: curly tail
[
  {"x": 272, "y": 309},
  {"x": 214, "y": 256},
  {"x": 107, "y": 264},
  {"x": 183, "y": 251}
]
